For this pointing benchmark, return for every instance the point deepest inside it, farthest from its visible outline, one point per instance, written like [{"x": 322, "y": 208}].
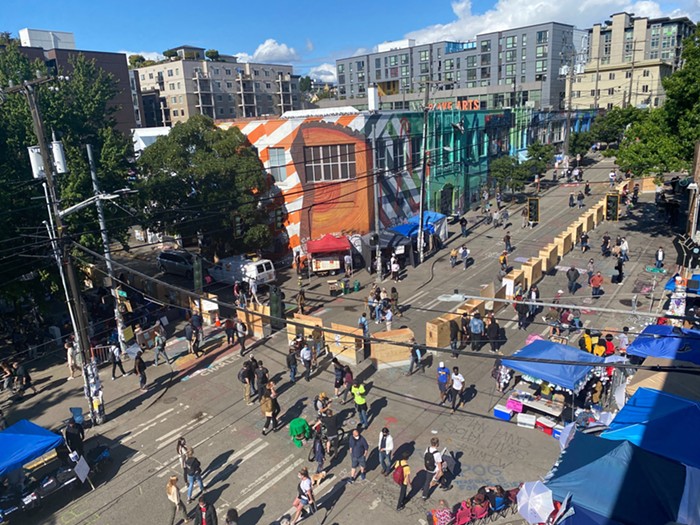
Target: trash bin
[{"x": 356, "y": 286}]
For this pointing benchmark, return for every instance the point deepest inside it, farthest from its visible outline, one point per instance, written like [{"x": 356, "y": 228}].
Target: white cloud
[
  {"x": 507, "y": 14},
  {"x": 323, "y": 73},
  {"x": 148, "y": 55},
  {"x": 309, "y": 45},
  {"x": 271, "y": 51}
]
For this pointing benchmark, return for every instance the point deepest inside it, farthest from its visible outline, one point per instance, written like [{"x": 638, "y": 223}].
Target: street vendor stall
[
  {"x": 668, "y": 342},
  {"x": 546, "y": 388},
  {"x": 327, "y": 253}
]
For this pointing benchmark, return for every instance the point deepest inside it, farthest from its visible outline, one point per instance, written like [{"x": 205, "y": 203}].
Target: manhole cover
[{"x": 169, "y": 400}]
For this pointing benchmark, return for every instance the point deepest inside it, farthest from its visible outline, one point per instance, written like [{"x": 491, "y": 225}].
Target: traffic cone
[{"x": 217, "y": 323}]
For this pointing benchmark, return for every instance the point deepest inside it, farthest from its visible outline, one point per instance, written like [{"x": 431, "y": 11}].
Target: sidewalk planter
[
  {"x": 387, "y": 355},
  {"x": 549, "y": 257},
  {"x": 344, "y": 346},
  {"x": 532, "y": 270},
  {"x": 511, "y": 280}
]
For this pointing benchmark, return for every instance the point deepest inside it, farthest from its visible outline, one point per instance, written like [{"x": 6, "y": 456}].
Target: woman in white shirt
[
  {"x": 173, "y": 492},
  {"x": 386, "y": 447}
]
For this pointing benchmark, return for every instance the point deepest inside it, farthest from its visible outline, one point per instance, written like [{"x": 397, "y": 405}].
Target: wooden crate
[
  {"x": 511, "y": 281},
  {"x": 564, "y": 243},
  {"x": 309, "y": 322},
  {"x": 549, "y": 256},
  {"x": 386, "y": 354},
  {"x": 532, "y": 271},
  {"x": 437, "y": 333}
]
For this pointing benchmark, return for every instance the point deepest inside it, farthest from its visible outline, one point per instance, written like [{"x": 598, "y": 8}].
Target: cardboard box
[
  {"x": 501, "y": 412},
  {"x": 526, "y": 420},
  {"x": 437, "y": 333}
]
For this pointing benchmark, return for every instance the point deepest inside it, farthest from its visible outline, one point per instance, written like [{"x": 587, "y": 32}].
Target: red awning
[{"x": 328, "y": 244}]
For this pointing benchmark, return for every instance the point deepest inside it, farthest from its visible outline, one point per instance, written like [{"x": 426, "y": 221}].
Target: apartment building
[
  {"x": 188, "y": 84},
  {"x": 628, "y": 57},
  {"x": 516, "y": 67}
]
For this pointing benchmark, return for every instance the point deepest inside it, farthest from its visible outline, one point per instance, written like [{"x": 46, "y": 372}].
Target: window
[
  {"x": 333, "y": 162},
  {"x": 150, "y": 76},
  {"x": 267, "y": 72},
  {"x": 540, "y": 66},
  {"x": 360, "y": 65},
  {"x": 177, "y": 70},
  {"x": 229, "y": 85},
  {"x": 227, "y": 71},
  {"x": 393, "y": 60},
  {"x": 611, "y": 76},
  {"x": 471, "y": 61},
  {"x": 278, "y": 168},
  {"x": 523, "y": 68},
  {"x": 218, "y": 84},
  {"x": 170, "y": 72},
  {"x": 646, "y": 73},
  {"x": 485, "y": 72},
  {"x": 523, "y": 40},
  {"x": 404, "y": 59},
  {"x": 219, "y": 98},
  {"x": 541, "y": 51},
  {"x": 510, "y": 70},
  {"x": 179, "y": 99},
  {"x": 628, "y": 74},
  {"x": 511, "y": 42},
  {"x": 398, "y": 151},
  {"x": 485, "y": 60},
  {"x": 404, "y": 71},
  {"x": 424, "y": 67},
  {"x": 268, "y": 85},
  {"x": 449, "y": 64},
  {"x": 485, "y": 46},
  {"x": 256, "y": 73},
  {"x": 542, "y": 37},
  {"x": 341, "y": 68},
  {"x": 377, "y": 63},
  {"x": 176, "y": 113},
  {"x": 341, "y": 79},
  {"x": 221, "y": 111},
  {"x": 424, "y": 55},
  {"x": 216, "y": 70},
  {"x": 378, "y": 74},
  {"x": 471, "y": 74},
  {"x": 611, "y": 91},
  {"x": 645, "y": 88},
  {"x": 511, "y": 56},
  {"x": 171, "y": 85}
]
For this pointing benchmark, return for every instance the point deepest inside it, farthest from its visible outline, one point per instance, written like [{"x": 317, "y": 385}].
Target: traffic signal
[
  {"x": 612, "y": 206},
  {"x": 533, "y": 209},
  {"x": 237, "y": 227},
  {"x": 279, "y": 218}
]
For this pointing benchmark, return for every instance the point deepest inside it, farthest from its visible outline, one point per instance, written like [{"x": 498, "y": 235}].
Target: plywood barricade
[
  {"x": 532, "y": 271},
  {"x": 512, "y": 280},
  {"x": 549, "y": 255},
  {"x": 254, "y": 318},
  {"x": 387, "y": 354},
  {"x": 564, "y": 243},
  {"x": 437, "y": 332},
  {"x": 309, "y": 322},
  {"x": 343, "y": 346}
]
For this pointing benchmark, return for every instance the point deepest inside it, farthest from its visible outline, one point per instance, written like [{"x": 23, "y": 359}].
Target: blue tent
[
  {"x": 671, "y": 284},
  {"x": 429, "y": 218},
  {"x": 407, "y": 230},
  {"x": 618, "y": 481},
  {"x": 23, "y": 442},
  {"x": 669, "y": 342},
  {"x": 659, "y": 422},
  {"x": 563, "y": 375}
]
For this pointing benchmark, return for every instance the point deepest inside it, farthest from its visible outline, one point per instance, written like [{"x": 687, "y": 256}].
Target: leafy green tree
[
  {"x": 169, "y": 53},
  {"x": 611, "y": 126},
  {"x": 305, "y": 84},
  {"x": 539, "y": 157},
  {"x": 199, "y": 178},
  {"x": 508, "y": 172},
  {"x": 580, "y": 142},
  {"x": 212, "y": 54},
  {"x": 136, "y": 61}
]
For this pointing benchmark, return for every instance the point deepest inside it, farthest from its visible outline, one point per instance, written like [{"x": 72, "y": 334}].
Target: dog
[{"x": 316, "y": 479}]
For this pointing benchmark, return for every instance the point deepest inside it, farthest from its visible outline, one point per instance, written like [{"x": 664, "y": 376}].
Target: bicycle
[{"x": 335, "y": 442}]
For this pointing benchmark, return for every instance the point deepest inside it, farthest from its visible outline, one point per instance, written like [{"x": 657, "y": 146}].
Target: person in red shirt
[
  {"x": 205, "y": 514},
  {"x": 596, "y": 283}
]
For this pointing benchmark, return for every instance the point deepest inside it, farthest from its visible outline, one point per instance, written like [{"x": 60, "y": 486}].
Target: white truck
[{"x": 241, "y": 268}]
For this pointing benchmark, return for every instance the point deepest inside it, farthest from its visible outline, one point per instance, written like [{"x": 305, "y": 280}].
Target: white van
[{"x": 240, "y": 268}]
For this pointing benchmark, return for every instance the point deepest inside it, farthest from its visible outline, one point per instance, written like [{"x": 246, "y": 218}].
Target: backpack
[
  {"x": 242, "y": 374},
  {"x": 429, "y": 461},
  {"x": 244, "y": 328},
  {"x": 398, "y": 473}
]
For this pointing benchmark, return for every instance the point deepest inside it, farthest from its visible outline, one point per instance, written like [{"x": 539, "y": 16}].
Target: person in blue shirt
[
  {"x": 362, "y": 323},
  {"x": 443, "y": 379},
  {"x": 476, "y": 326}
]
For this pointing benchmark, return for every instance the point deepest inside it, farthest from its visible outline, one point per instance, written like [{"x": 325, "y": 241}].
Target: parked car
[
  {"x": 176, "y": 262},
  {"x": 239, "y": 268}
]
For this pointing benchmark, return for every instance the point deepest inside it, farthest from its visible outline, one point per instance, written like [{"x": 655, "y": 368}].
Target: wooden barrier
[
  {"x": 564, "y": 243},
  {"x": 309, "y": 322},
  {"x": 437, "y": 332},
  {"x": 589, "y": 221},
  {"x": 386, "y": 354},
  {"x": 474, "y": 305},
  {"x": 258, "y": 325},
  {"x": 550, "y": 256},
  {"x": 343, "y": 346},
  {"x": 532, "y": 271},
  {"x": 576, "y": 230},
  {"x": 512, "y": 280}
]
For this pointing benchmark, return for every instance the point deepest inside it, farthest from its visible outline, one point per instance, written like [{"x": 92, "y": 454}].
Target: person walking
[
  {"x": 241, "y": 332},
  {"x": 115, "y": 354},
  {"x": 394, "y": 298},
  {"x": 533, "y": 297},
  {"x": 464, "y": 254},
  {"x": 580, "y": 198},
  {"x": 493, "y": 332},
  {"x": 338, "y": 373},
  {"x": 194, "y": 473},
  {"x": 173, "y": 493},
  {"x": 246, "y": 376},
  {"x": 590, "y": 270},
  {"x": 454, "y": 253},
  {"x": 624, "y": 249},
  {"x": 433, "y": 463},
  {"x": 74, "y": 435},
  {"x": 463, "y": 226},
  {"x": 197, "y": 327},
  {"x": 319, "y": 452},
  {"x": 503, "y": 261},
  {"x": 507, "y": 242},
  {"x": 181, "y": 450},
  {"x": 24, "y": 380},
  {"x": 443, "y": 381},
  {"x": 232, "y": 517},
  {"x": 388, "y": 319},
  {"x": 348, "y": 381},
  {"x": 456, "y": 389},
  {"x": 301, "y": 302},
  {"x": 305, "y": 495},
  {"x": 267, "y": 408},
  {"x": 385, "y": 448},
  {"x": 395, "y": 270},
  {"x": 572, "y": 276},
  {"x": 476, "y": 327},
  {"x": 230, "y": 331},
  {"x": 403, "y": 478},
  {"x": 347, "y": 262},
  {"x": 205, "y": 514},
  {"x": 140, "y": 370},
  {"x": 619, "y": 267},
  {"x": 160, "y": 348},
  {"x": 358, "y": 393},
  {"x": 319, "y": 342},
  {"x": 363, "y": 324},
  {"x": 188, "y": 334},
  {"x": 465, "y": 335},
  {"x": 659, "y": 257},
  {"x": 524, "y": 218},
  {"x": 416, "y": 357},
  {"x": 596, "y": 283},
  {"x": 359, "y": 450},
  {"x": 306, "y": 357},
  {"x": 292, "y": 364},
  {"x": 585, "y": 242},
  {"x": 71, "y": 354}
]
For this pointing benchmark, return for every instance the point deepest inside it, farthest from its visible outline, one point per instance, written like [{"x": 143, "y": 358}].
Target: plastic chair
[
  {"x": 480, "y": 513},
  {"x": 463, "y": 515}
]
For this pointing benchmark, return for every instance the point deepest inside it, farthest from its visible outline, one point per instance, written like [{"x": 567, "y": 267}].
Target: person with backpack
[
  {"x": 433, "y": 463},
  {"x": 385, "y": 447},
  {"x": 338, "y": 374},
  {"x": 443, "y": 380},
  {"x": 292, "y": 364},
  {"x": 305, "y": 495},
  {"x": 116, "y": 355},
  {"x": 241, "y": 332},
  {"x": 245, "y": 376},
  {"x": 322, "y": 404},
  {"x": 402, "y": 477},
  {"x": 194, "y": 473}
]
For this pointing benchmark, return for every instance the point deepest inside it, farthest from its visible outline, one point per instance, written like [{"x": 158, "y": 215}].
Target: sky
[{"x": 308, "y": 35}]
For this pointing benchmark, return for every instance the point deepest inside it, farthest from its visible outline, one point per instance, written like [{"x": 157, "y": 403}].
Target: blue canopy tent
[
  {"x": 668, "y": 342},
  {"x": 671, "y": 284},
  {"x": 659, "y": 422},
  {"x": 407, "y": 230},
  {"x": 566, "y": 376},
  {"x": 23, "y": 442},
  {"x": 433, "y": 222},
  {"x": 618, "y": 482}
]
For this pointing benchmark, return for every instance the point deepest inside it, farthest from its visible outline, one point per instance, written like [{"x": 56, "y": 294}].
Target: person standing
[
  {"x": 620, "y": 267},
  {"x": 232, "y": 517},
  {"x": 267, "y": 409},
  {"x": 395, "y": 270},
  {"x": 348, "y": 265},
  {"x": 205, "y": 514},
  {"x": 116, "y": 355},
  {"x": 388, "y": 319},
  {"x": 230, "y": 331},
  {"x": 173, "y": 493},
  {"x": 197, "y": 326},
  {"x": 572, "y": 276},
  {"x": 24, "y": 380},
  {"x": 590, "y": 270},
  {"x": 338, "y": 372},
  {"x": 358, "y": 393},
  {"x": 624, "y": 249},
  {"x": 533, "y": 297},
  {"x": 74, "y": 435},
  {"x": 385, "y": 447},
  {"x": 585, "y": 242},
  {"x": 454, "y": 338},
  {"x": 493, "y": 332},
  {"x": 254, "y": 290},
  {"x": 612, "y": 176},
  {"x": 404, "y": 479},
  {"x": 306, "y": 357},
  {"x": 394, "y": 298},
  {"x": 71, "y": 355},
  {"x": 140, "y": 370},
  {"x": 292, "y": 364},
  {"x": 464, "y": 329},
  {"x": 476, "y": 327},
  {"x": 305, "y": 495},
  {"x": 524, "y": 218},
  {"x": 463, "y": 226},
  {"x": 301, "y": 302},
  {"x": 160, "y": 348},
  {"x": 188, "y": 333},
  {"x": 364, "y": 325},
  {"x": 456, "y": 389},
  {"x": 507, "y": 242},
  {"x": 464, "y": 253},
  {"x": 580, "y": 198},
  {"x": 415, "y": 358},
  {"x": 523, "y": 310},
  {"x": 247, "y": 376},
  {"x": 660, "y": 256},
  {"x": 443, "y": 381},
  {"x": 348, "y": 380},
  {"x": 241, "y": 332},
  {"x": 359, "y": 450},
  {"x": 433, "y": 463},
  {"x": 181, "y": 450},
  {"x": 194, "y": 473},
  {"x": 596, "y": 283},
  {"x": 318, "y": 341}
]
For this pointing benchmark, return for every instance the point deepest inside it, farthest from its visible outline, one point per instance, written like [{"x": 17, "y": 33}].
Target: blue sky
[{"x": 310, "y": 35}]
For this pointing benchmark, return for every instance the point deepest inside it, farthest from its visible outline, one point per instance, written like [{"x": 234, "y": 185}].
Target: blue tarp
[
  {"x": 659, "y": 422},
  {"x": 671, "y": 284},
  {"x": 566, "y": 376},
  {"x": 429, "y": 218},
  {"x": 669, "y": 342},
  {"x": 407, "y": 230},
  {"x": 619, "y": 481},
  {"x": 23, "y": 442}
]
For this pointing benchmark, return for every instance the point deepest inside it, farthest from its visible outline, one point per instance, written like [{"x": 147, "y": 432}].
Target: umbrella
[{"x": 535, "y": 502}]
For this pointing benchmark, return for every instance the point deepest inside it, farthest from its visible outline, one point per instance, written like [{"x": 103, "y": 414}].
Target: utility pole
[
  {"x": 377, "y": 248},
  {"x": 92, "y": 387},
  {"x": 570, "y": 79},
  {"x": 108, "y": 252},
  {"x": 424, "y": 168}
]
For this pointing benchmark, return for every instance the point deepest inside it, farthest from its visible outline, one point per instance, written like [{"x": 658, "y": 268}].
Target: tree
[
  {"x": 136, "y": 61},
  {"x": 199, "y": 178},
  {"x": 212, "y": 54},
  {"x": 508, "y": 172},
  {"x": 611, "y": 127},
  {"x": 169, "y": 53},
  {"x": 539, "y": 157},
  {"x": 305, "y": 84},
  {"x": 580, "y": 142}
]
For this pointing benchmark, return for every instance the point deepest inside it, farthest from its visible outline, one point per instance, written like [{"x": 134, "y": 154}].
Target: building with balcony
[
  {"x": 511, "y": 68},
  {"x": 187, "y": 85},
  {"x": 627, "y": 59}
]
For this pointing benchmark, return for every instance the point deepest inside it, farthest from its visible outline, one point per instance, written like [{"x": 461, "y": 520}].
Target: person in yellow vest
[{"x": 358, "y": 394}]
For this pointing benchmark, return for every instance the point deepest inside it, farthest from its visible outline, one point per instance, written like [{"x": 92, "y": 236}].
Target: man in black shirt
[{"x": 74, "y": 436}]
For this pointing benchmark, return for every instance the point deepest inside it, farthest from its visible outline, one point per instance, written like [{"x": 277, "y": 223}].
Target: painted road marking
[
  {"x": 267, "y": 486},
  {"x": 148, "y": 424},
  {"x": 266, "y": 475},
  {"x": 187, "y": 427}
]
